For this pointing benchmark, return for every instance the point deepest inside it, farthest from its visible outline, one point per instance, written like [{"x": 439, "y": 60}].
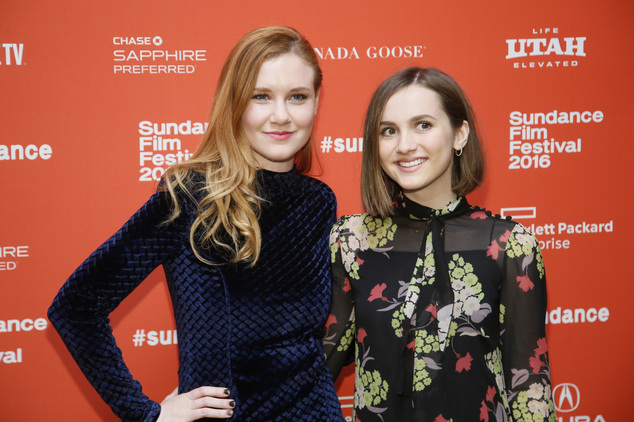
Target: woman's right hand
[{"x": 203, "y": 402}]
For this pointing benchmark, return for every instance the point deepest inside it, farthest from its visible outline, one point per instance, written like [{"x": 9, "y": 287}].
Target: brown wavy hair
[
  {"x": 227, "y": 214},
  {"x": 378, "y": 191}
]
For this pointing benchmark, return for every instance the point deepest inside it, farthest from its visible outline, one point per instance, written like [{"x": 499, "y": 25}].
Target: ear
[
  {"x": 316, "y": 102},
  {"x": 462, "y": 136}
]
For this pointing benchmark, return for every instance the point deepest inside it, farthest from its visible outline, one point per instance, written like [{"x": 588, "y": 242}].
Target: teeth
[{"x": 411, "y": 163}]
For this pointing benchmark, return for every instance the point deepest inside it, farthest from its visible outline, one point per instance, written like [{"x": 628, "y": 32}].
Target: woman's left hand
[{"x": 202, "y": 402}]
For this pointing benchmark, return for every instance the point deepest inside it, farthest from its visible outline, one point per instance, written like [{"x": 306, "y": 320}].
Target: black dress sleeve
[
  {"x": 522, "y": 317},
  {"x": 80, "y": 310},
  {"x": 340, "y": 327}
]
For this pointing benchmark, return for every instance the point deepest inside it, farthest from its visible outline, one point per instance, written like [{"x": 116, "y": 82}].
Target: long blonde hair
[{"x": 230, "y": 204}]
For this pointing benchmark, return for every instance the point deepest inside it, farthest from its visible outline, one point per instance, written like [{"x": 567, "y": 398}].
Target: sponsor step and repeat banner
[{"x": 99, "y": 98}]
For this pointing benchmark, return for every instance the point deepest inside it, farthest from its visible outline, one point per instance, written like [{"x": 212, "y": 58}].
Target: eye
[
  {"x": 260, "y": 97},
  {"x": 388, "y": 131},
  {"x": 423, "y": 125},
  {"x": 298, "y": 97}
]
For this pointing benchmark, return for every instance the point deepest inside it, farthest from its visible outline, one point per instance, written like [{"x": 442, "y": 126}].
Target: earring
[{"x": 458, "y": 153}]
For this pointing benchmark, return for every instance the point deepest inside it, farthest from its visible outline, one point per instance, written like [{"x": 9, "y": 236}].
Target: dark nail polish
[
  {"x": 227, "y": 392},
  {"x": 232, "y": 403},
  {"x": 230, "y": 412}
]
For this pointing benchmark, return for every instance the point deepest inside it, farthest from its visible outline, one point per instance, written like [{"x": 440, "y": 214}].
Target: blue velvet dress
[{"x": 256, "y": 331}]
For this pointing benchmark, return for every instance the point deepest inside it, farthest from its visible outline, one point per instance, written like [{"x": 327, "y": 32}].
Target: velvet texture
[{"x": 253, "y": 330}]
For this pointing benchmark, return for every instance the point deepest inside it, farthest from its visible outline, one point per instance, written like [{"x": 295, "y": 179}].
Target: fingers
[
  {"x": 207, "y": 412},
  {"x": 205, "y": 391},
  {"x": 212, "y": 401},
  {"x": 202, "y": 402}
]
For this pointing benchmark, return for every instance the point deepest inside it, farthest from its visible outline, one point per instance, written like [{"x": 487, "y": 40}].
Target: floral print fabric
[{"x": 481, "y": 357}]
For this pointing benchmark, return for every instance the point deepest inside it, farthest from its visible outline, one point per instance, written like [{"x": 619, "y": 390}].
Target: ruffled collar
[{"x": 407, "y": 208}]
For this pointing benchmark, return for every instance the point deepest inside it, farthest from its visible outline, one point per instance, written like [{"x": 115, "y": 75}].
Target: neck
[{"x": 436, "y": 202}]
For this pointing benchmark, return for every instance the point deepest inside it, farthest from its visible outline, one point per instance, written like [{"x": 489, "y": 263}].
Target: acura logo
[{"x": 566, "y": 397}]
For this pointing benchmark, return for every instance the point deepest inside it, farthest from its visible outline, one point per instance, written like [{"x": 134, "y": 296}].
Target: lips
[
  {"x": 279, "y": 135},
  {"x": 411, "y": 163}
]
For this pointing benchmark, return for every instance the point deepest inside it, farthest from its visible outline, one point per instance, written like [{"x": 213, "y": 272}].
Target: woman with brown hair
[
  {"x": 242, "y": 236},
  {"x": 440, "y": 303}
]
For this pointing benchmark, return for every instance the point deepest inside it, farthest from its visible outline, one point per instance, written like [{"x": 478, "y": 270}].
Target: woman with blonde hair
[
  {"x": 242, "y": 236},
  {"x": 440, "y": 304}
]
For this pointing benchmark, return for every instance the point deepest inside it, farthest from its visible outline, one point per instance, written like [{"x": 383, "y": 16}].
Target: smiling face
[
  {"x": 417, "y": 143},
  {"x": 279, "y": 118}
]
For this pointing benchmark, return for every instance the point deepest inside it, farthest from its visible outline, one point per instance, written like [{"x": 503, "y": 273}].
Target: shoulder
[
  {"x": 349, "y": 222},
  {"x": 318, "y": 192},
  {"x": 503, "y": 229},
  {"x": 186, "y": 195},
  {"x": 361, "y": 232},
  {"x": 188, "y": 183},
  {"x": 317, "y": 185},
  {"x": 509, "y": 234},
  {"x": 363, "y": 225},
  {"x": 479, "y": 214},
  {"x": 348, "y": 229}
]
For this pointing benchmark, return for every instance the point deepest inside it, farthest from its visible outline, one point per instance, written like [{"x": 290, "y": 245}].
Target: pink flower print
[
  {"x": 346, "y": 285},
  {"x": 490, "y": 393},
  {"x": 432, "y": 309},
  {"x": 377, "y": 292},
  {"x": 479, "y": 215},
  {"x": 505, "y": 236},
  {"x": 332, "y": 319},
  {"x": 535, "y": 364},
  {"x": 542, "y": 346},
  {"x": 360, "y": 261},
  {"x": 411, "y": 345},
  {"x": 525, "y": 283},
  {"x": 440, "y": 418},
  {"x": 493, "y": 250},
  {"x": 361, "y": 335},
  {"x": 484, "y": 409},
  {"x": 464, "y": 363},
  {"x": 484, "y": 412}
]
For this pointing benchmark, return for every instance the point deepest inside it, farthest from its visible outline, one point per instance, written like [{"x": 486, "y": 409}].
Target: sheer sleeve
[
  {"x": 340, "y": 328},
  {"x": 522, "y": 316},
  {"x": 80, "y": 310}
]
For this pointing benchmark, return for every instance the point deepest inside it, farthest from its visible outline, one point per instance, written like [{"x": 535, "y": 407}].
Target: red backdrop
[{"x": 88, "y": 90}]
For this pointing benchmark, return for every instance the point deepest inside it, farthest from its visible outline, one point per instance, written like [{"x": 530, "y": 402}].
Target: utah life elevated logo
[
  {"x": 546, "y": 48},
  {"x": 12, "y": 54}
]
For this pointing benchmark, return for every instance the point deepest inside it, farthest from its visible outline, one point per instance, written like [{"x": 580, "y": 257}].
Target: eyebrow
[
  {"x": 411, "y": 119},
  {"x": 296, "y": 89}
]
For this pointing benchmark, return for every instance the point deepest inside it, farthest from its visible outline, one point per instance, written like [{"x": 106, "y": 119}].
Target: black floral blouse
[{"x": 445, "y": 312}]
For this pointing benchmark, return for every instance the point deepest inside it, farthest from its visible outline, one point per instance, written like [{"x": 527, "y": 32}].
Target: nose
[
  {"x": 280, "y": 114},
  {"x": 405, "y": 143}
]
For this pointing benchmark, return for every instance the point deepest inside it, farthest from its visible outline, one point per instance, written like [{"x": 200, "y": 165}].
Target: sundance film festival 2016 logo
[
  {"x": 160, "y": 145},
  {"x": 148, "y": 55},
  {"x": 545, "y": 48}
]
